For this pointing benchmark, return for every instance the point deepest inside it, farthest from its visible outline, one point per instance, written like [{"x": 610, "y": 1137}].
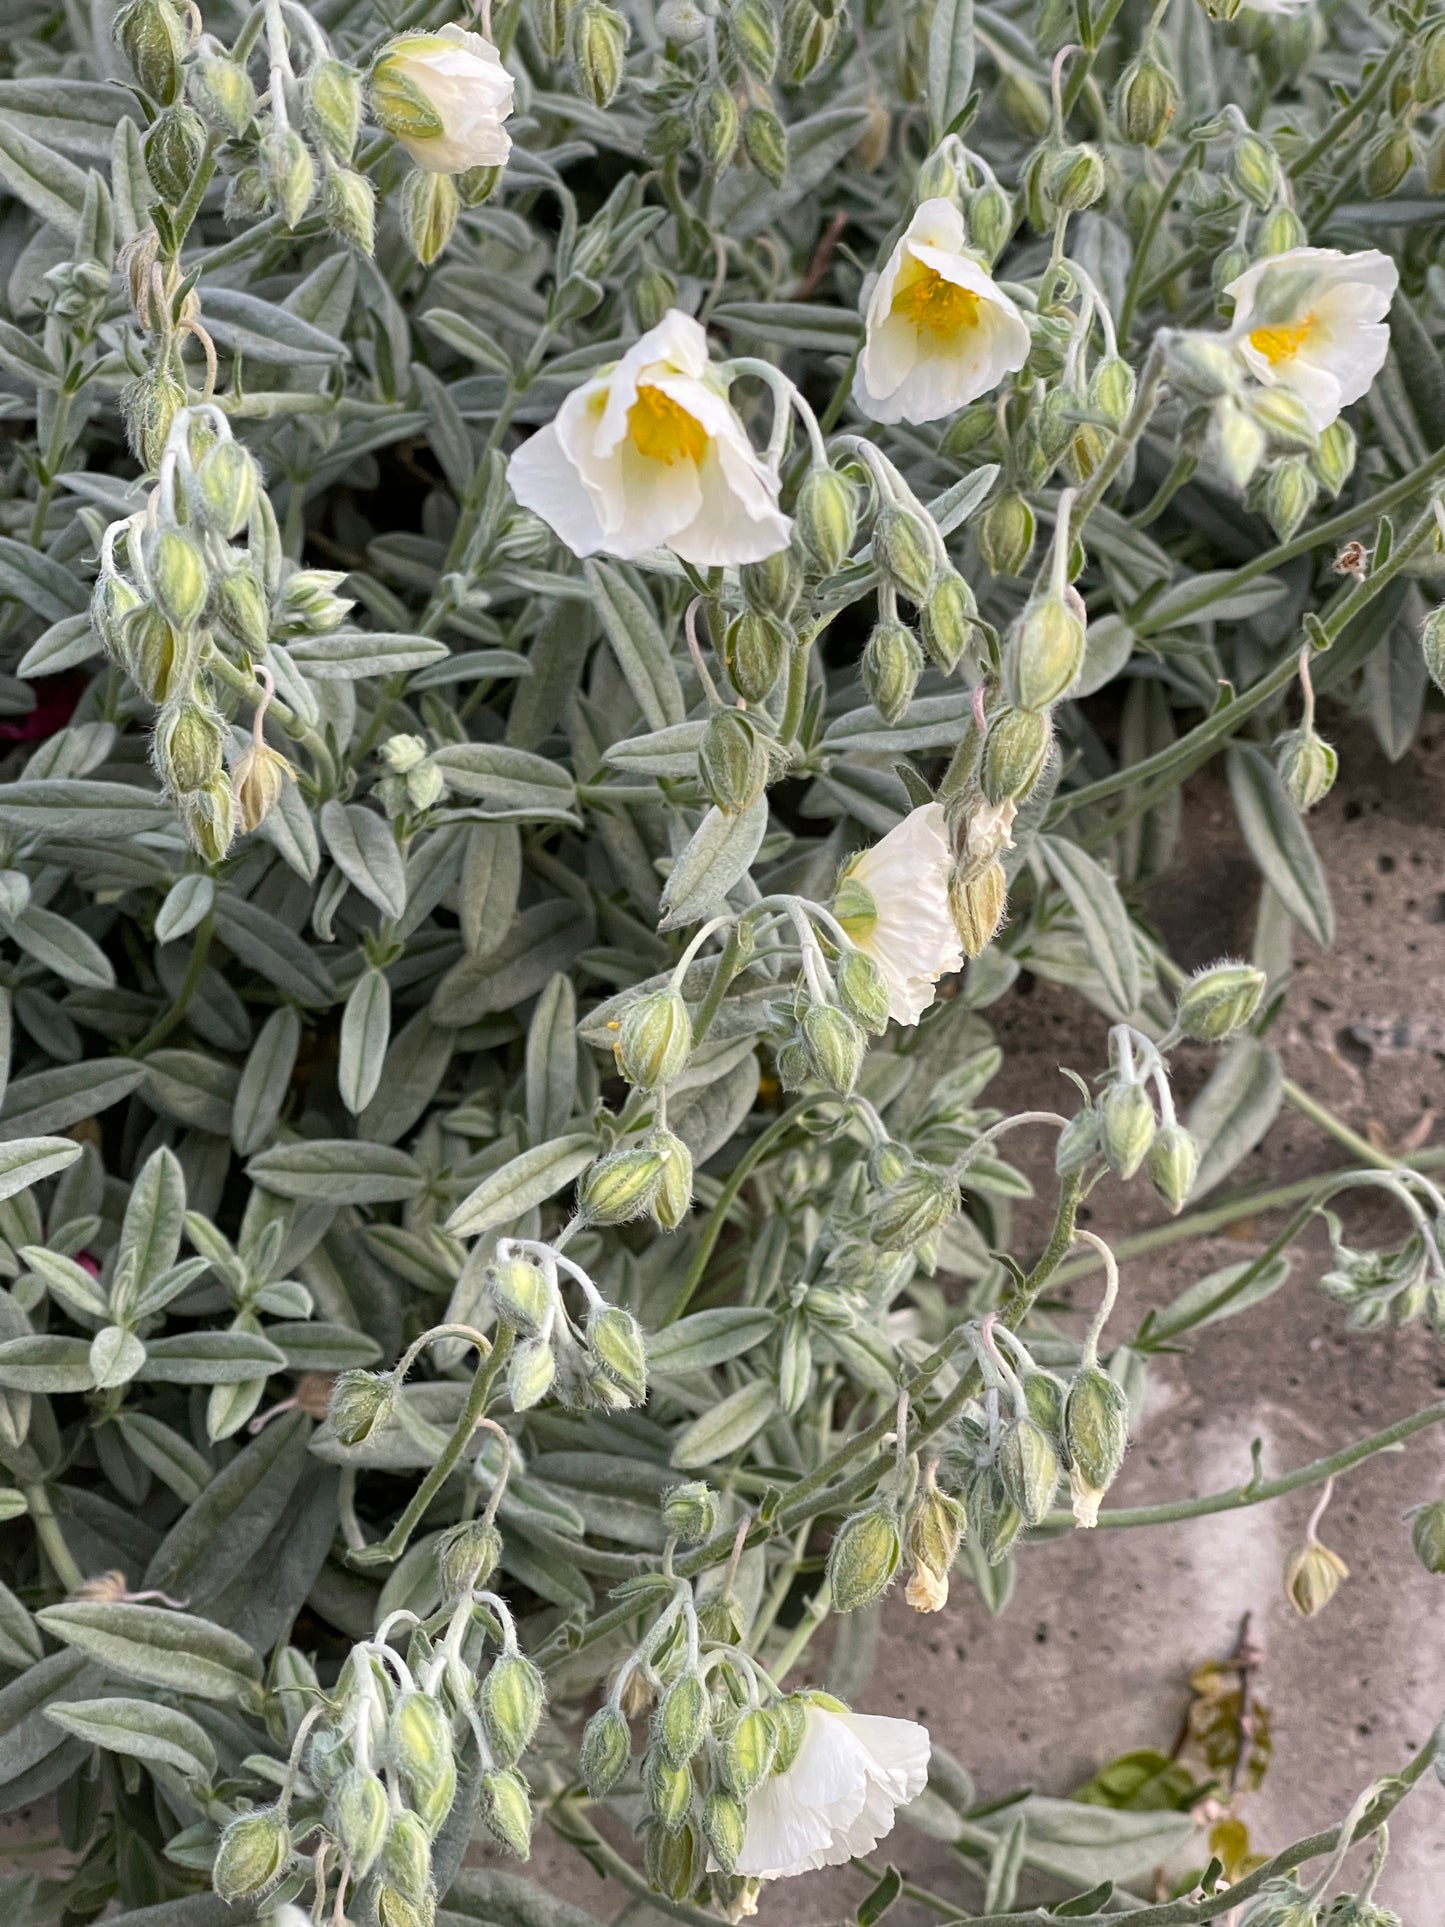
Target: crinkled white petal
[
  {"x": 914, "y": 941},
  {"x": 899, "y": 1750}
]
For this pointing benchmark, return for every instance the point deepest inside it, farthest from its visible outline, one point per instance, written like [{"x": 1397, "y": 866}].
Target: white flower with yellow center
[
  {"x": 939, "y": 331},
  {"x": 650, "y": 454},
  {"x": 838, "y": 1797},
  {"x": 893, "y": 903},
  {"x": 1313, "y": 321},
  {"x": 444, "y": 96}
]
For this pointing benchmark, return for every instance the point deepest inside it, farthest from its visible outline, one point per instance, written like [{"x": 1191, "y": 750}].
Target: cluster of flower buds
[
  {"x": 1380, "y": 1288},
  {"x": 374, "y": 1765},
  {"x": 841, "y": 998},
  {"x": 599, "y": 1363},
  {"x": 1123, "y": 1126},
  {"x": 173, "y": 591},
  {"x": 413, "y": 783},
  {"x": 715, "y": 95}
]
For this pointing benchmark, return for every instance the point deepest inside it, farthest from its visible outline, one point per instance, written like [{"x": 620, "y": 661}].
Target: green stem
[
  {"x": 724, "y": 970},
  {"x": 1145, "y": 400},
  {"x": 47, "y": 1530},
  {"x": 168, "y": 1021},
  {"x": 394, "y": 1544},
  {"x": 797, "y": 695},
  {"x": 1191, "y": 157},
  {"x": 299, "y": 731},
  {"x": 1320, "y": 1114},
  {"x": 1348, "y": 114},
  {"x": 816, "y": 1612}
]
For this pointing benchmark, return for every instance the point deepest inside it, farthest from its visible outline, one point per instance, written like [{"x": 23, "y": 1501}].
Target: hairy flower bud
[
  {"x": 733, "y": 761},
  {"x": 620, "y": 1186},
  {"x": 753, "y": 30},
  {"x": 290, "y": 174},
  {"x": 1307, "y": 765},
  {"x": 1015, "y": 751},
  {"x": 429, "y": 207},
  {"x": 150, "y": 405},
  {"x": 673, "y": 1198},
  {"x": 808, "y": 33},
  {"x": 606, "y": 1749},
  {"x": 765, "y": 142},
  {"x": 1006, "y": 534},
  {"x": 252, "y": 1855},
  {"x": 227, "y": 484},
  {"x": 1146, "y": 99},
  {"x": 1387, "y": 160},
  {"x": 1279, "y": 232},
  {"x": 835, "y": 1046},
  {"x": 1045, "y": 653},
  {"x": 654, "y": 1037},
  {"x": 1074, "y": 178},
  {"x": 507, "y": 1811},
  {"x": 1127, "y": 1126},
  {"x": 1252, "y": 166},
  {"x": 715, "y": 126},
  {"x": 1281, "y": 1903},
  {"x": 615, "y": 1340},
  {"x": 921, "y": 1202},
  {"x": 406, "y": 1859},
  {"x": 673, "y": 1859},
  {"x": 467, "y": 1556},
  {"x": 773, "y": 584},
  {"x": 1172, "y": 1163},
  {"x": 356, "y": 1815},
  {"x": 187, "y": 746},
  {"x": 979, "y": 904},
  {"x": 599, "y": 47},
  {"x": 668, "y": 1789},
  {"x": 1289, "y": 495},
  {"x": 905, "y": 548},
  {"x": 223, "y": 93},
  {"x": 208, "y": 817},
  {"x": 154, "y": 37},
  {"x": 522, "y": 1294},
  {"x": 724, "y": 1825},
  {"x": 1427, "y": 1535},
  {"x": 748, "y": 1751},
  {"x": 947, "y": 619},
  {"x": 242, "y": 608},
  {"x": 681, "y": 1721},
  {"x": 360, "y": 1401},
  {"x": 1218, "y": 1001},
  {"x": 331, "y": 102},
  {"x": 1028, "y": 1465},
  {"x": 1333, "y": 459},
  {"x": 690, "y": 1511},
  {"x": 863, "y": 1558},
  {"x": 932, "y": 1535},
  {"x": 1096, "y": 1428},
  {"x": 349, "y": 206},
  {"x": 1312, "y": 1576},
  {"x": 510, "y": 1703},
  {"x": 256, "y": 784},
  {"x": 990, "y": 220},
  {"x": 892, "y": 663},
  {"x": 757, "y": 648},
  {"x": 863, "y": 991}
]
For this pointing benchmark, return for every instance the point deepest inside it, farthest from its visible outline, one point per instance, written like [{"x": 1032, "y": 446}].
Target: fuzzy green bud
[
  {"x": 615, "y": 1340},
  {"x": 114, "y": 600},
  {"x": 1074, "y": 178},
  {"x": 620, "y": 1186},
  {"x": 690, "y": 1511},
  {"x": 599, "y": 47},
  {"x": 990, "y": 220},
  {"x": 654, "y": 1037},
  {"x": 1218, "y": 1001},
  {"x": 747, "y": 1753},
  {"x": 188, "y": 745},
  {"x": 1028, "y": 1465},
  {"x": 290, "y": 174},
  {"x": 673, "y": 1198},
  {"x": 715, "y": 126},
  {"x": 242, "y": 608},
  {"x": 406, "y": 1859},
  {"x": 331, "y": 102},
  {"x": 1279, "y": 231},
  {"x": 1432, "y": 644},
  {"x": 863, "y": 1558},
  {"x": 979, "y": 904},
  {"x": 226, "y": 486},
  {"x": 349, "y": 205},
  {"x": 180, "y": 579},
  {"x": 673, "y": 1860},
  {"x": 932, "y": 1534},
  {"x": 550, "y": 22},
  {"x": 1307, "y": 765},
  {"x": 808, "y": 33},
  {"x": 150, "y": 405},
  {"x": 467, "y": 1556},
  {"x": 1111, "y": 390},
  {"x": 1333, "y": 459},
  {"x": 606, "y": 1749},
  {"x": 530, "y": 1372},
  {"x": 309, "y": 601},
  {"x": 733, "y": 761},
  {"x": 757, "y": 648},
  {"x": 905, "y": 549},
  {"x": 208, "y": 817},
  {"x": 681, "y": 1722},
  {"x": 1284, "y": 418},
  {"x": 1015, "y": 751},
  {"x": 1281, "y": 1903},
  {"x": 1127, "y": 1126},
  {"x": 835, "y": 1046},
  {"x": 419, "y": 1745},
  {"x": 154, "y": 37},
  {"x": 507, "y": 1811},
  {"x": 773, "y": 584},
  {"x": 223, "y": 93},
  {"x": 510, "y": 1704},
  {"x": 1096, "y": 1426},
  {"x": 1146, "y": 100},
  {"x": 947, "y": 619},
  {"x": 252, "y": 1855},
  {"x": 753, "y": 29},
  {"x": 1045, "y": 654},
  {"x": 360, "y": 1401},
  {"x": 1172, "y": 1163},
  {"x": 826, "y": 517},
  {"x": 1006, "y": 534},
  {"x": 765, "y": 142},
  {"x": 429, "y": 207},
  {"x": 863, "y": 991},
  {"x": 921, "y": 1202},
  {"x": 993, "y": 1518},
  {"x": 724, "y": 1825},
  {"x": 1312, "y": 1576},
  {"x": 668, "y": 1789},
  {"x": 356, "y": 1815},
  {"x": 1387, "y": 160},
  {"x": 891, "y": 665},
  {"x": 1253, "y": 168},
  {"x": 1237, "y": 439},
  {"x": 653, "y": 293}
]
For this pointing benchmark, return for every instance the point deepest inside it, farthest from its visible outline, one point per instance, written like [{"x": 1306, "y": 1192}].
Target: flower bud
[
  {"x": 1045, "y": 654},
  {"x": 1333, "y": 459},
  {"x": 715, "y": 126},
  {"x": 807, "y": 36},
  {"x": 606, "y": 1749},
  {"x": 1015, "y": 751},
  {"x": 256, "y": 784},
  {"x": 835, "y": 1046},
  {"x": 1077, "y": 1142},
  {"x": 826, "y": 517},
  {"x": 918, "y": 1204},
  {"x": 179, "y": 574},
  {"x": 979, "y": 904},
  {"x": 1281, "y": 1903},
  {"x": 429, "y": 205},
  {"x": 1312, "y": 1576},
  {"x": 1126, "y": 1126},
  {"x": 406, "y": 1859},
  {"x": 1284, "y": 418},
  {"x": 242, "y": 608},
  {"x": 507, "y": 1811},
  {"x": 1279, "y": 232},
  {"x": 1111, "y": 390},
  {"x": 672, "y": 1859},
  {"x": 765, "y": 142},
  {"x": 1172, "y": 1163},
  {"x": 673, "y": 1199},
  {"x": 349, "y": 206},
  {"x": 467, "y": 1556},
  {"x": 187, "y": 746},
  {"x": 905, "y": 549},
  {"x": 772, "y": 585},
  {"x": 1432, "y": 643},
  {"x": 1253, "y": 168},
  {"x": 863, "y": 991},
  {"x": 550, "y": 22},
  {"x": 891, "y": 665},
  {"x": 947, "y": 619},
  {"x": 620, "y": 1186},
  {"x": 226, "y": 487},
  {"x": 1028, "y": 1465},
  {"x": 1006, "y": 534},
  {"x": 1201, "y": 362},
  {"x": 653, "y": 293},
  {"x": 990, "y": 220},
  {"x": 252, "y": 1855},
  {"x": 113, "y": 600},
  {"x": 222, "y": 91},
  {"x": 863, "y": 1558},
  {"x": 154, "y": 37},
  {"x": 615, "y": 1341},
  {"x": 1218, "y": 1001},
  {"x": 690, "y": 1511},
  {"x": 1427, "y": 1535},
  {"x": 733, "y": 762},
  {"x": 331, "y": 101},
  {"x": 1227, "y": 266},
  {"x": 599, "y": 46},
  {"x": 994, "y": 1520},
  {"x": 724, "y": 1825},
  {"x": 150, "y": 405},
  {"x": 1307, "y": 765},
  {"x": 510, "y": 1703},
  {"x": 290, "y": 174},
  {"x": 933, "y": 1534},
  {"x": 1074, "y": 178},
  {"x": 360, "y": 1401},
  {"x": 668, "y": 1789},
  {"x": 1387, "y": 160},
  {"x": 208, "y": 817},
  {"x": 1237, "y": 440},
  {"x": 356, "y": 1814},
  {"x": 654, "y": 1038},
  {"x": 757, "y": 648},
  {"x": 1096, "y": 1432},
  {"x": 748, "y": 1750},
  {"x": 1146, "y": 100},
  {"x": 680, "y": 1726},
  {"x": 753, "y": 29},
  {"x": 530, "y": 1372}
]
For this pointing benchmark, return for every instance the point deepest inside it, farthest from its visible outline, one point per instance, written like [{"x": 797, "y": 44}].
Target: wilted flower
[
  {"x": 444, "y": 96},
  {"x": 939, "y": 331},
  {"x": 1313, "y": 320},
  {"x": 837, "y": 1798},
  {"x": 893, "y": 903},
  {"x": 650, "y": 454}
]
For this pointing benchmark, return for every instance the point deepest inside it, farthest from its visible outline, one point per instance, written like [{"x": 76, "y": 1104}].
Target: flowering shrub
[{"x": 582, "y": 591}]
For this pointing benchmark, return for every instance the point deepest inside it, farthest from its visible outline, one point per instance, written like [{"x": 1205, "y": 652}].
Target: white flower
[
  {"x": 650, "y": 454},
  {"x": 893, "y": 903},
  {"x": 837, "y": 1799},
  {"x": 939, "y": 331},
  {"x": 1313, "y": 321},
  {"x": 444, "y": 96}
]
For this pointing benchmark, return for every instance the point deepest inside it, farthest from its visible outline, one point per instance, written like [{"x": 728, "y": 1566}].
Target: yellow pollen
[
  {"x": 662, "y": 430},
  {"x": 941, "y": 306},
  {"x": 1283, "y": 343}
]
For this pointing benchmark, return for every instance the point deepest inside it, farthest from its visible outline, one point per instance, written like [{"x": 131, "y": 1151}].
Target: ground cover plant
[{"x": 582, "y": 591}]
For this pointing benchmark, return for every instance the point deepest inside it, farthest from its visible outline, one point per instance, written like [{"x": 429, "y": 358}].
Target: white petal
[
  {"x": 782, "y": 1836},
  {"x": 899, "y": 1749},
  {"x": 545, "y": 481}
]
